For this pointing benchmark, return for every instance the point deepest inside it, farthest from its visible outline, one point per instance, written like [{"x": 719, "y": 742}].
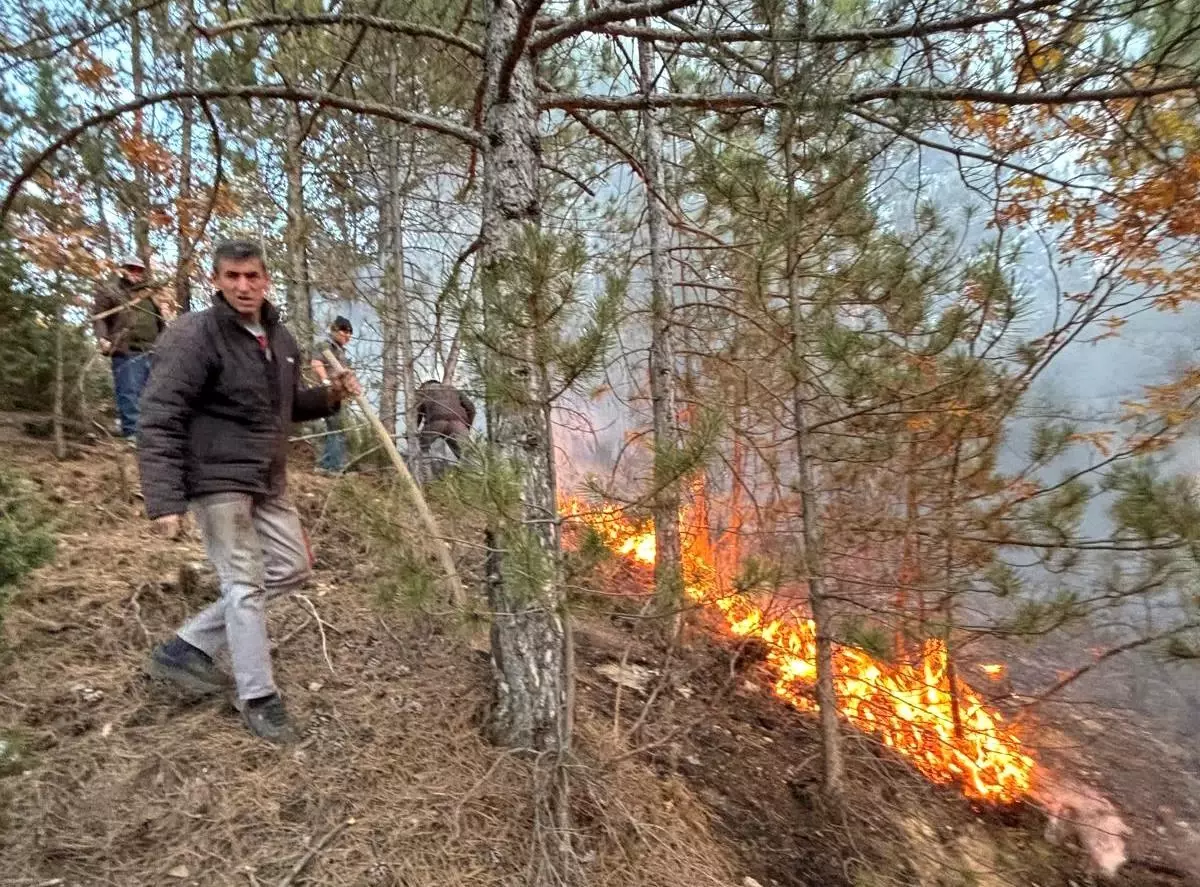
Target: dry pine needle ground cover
[{"x": 117, "y": 781}]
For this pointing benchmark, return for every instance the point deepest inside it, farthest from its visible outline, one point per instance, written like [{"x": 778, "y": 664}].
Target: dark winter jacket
[
  {"x": 445, "y": 406},
  {"x": 136, "y": 326},
  {"x": 217, "y": 410}
]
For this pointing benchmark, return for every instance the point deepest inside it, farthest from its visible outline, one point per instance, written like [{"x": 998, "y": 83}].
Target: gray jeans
[{"x": 259, "y": 550}]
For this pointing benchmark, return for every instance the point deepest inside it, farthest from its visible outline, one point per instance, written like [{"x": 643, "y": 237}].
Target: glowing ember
[
  {"x": 909, "y": 707},
  {"x": 994, "y": 670}
]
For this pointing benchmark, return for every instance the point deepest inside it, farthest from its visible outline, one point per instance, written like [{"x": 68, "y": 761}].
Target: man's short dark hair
[
  {"x": 238, "y": 251},
  {"x": 341, "y": 324}
]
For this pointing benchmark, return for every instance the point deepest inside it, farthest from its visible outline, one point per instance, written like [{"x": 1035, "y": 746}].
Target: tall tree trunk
[
  {"x": 299, "y": 300},
  {"x": 389, "y": 385},
  {"x": 668, "y": 570},
  {"x": 951, "y": 534},
  {"x": 183, "y": 268},
  {"x": 814, "y": 561},
  {"x": 60, "y": 442},
  {"x": 524, "y": 585},
  {"x": 397, "y": 331},
  {"x": 141, "y": 200},
  {"x": 908, "y": 576},
  {"x": 389, "y": 358}
]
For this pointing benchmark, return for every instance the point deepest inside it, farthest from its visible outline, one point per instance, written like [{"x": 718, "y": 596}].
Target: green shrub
[
  {"x": 26, "y": 539},
  {"x": 27, "y": 359}
]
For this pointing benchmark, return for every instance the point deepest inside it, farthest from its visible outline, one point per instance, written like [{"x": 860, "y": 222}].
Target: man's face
[
  {"x": 133, "y": 274},
  {"x": 342, "y": 337},
  {"x": 244, "y": 284}
]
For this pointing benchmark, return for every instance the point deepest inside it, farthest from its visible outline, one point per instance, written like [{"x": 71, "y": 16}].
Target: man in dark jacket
[
  {"x": 127, "y": 323},
  {"x": 333, "y": 456},
  {"x": 223, "y": 394},
  {"x": 443, "y": 412}
]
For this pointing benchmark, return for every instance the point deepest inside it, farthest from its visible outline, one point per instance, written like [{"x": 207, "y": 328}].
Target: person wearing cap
[
  {"x": 127, "y": 322},
  {"x": 333, "y": 456}
]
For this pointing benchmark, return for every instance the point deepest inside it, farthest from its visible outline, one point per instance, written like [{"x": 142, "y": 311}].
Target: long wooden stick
[{"x": 457, "y": 594}]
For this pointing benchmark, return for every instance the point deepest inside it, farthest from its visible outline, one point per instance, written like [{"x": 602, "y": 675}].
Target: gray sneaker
[
  {"x": 186, "y": 667},
  {"x": 268, "y": 720}
]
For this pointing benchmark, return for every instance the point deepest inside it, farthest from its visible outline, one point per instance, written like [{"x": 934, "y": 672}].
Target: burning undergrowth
[{"x": 940, "y": 724}]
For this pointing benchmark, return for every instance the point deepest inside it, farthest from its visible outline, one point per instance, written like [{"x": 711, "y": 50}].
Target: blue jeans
[
  {"x": 130, "y": 372},
  {"x": 333, "y": 457}
]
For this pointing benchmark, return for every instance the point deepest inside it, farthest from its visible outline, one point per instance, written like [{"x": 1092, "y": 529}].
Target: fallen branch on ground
[
  {"x": 320, "y": 627},
  {"x": 312, "y": 854}
]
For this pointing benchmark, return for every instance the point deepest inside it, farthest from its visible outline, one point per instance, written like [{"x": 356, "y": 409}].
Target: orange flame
[{"x": 908, "y": 706}]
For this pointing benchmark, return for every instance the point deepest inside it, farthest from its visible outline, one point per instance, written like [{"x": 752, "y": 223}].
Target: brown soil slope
[{"x": 118, "y": 782}]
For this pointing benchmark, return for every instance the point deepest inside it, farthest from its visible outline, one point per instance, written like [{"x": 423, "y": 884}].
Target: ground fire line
[{"x": 908, "y": 706}]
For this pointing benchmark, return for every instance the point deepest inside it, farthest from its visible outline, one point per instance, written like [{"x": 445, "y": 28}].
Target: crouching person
[{"x": 223, "y": 393}]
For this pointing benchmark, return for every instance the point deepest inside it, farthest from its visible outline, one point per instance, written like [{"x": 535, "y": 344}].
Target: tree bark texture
[
  {"x": 524, "y": 587},
  {"x": 814, "y": 562},
  {"x": 299, "y": 300},
  {"x": 60, "y": 441},
  {"x": 141, "y": 196},
  {"x": 668, "y": 560},
  {"x": 389, "y": 384},
  {"x": 184, "y": 247},
  {"x": 398, "y": 326}
]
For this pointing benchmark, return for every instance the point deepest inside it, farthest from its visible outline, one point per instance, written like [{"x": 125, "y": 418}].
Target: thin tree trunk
[
  {"x": 523, "y": 581},
  {"x": 397, "y": 359},
  {"x": 299, "y": 300},
  {"x": 60, "y": 443},
  {"x": 141, "y": 202},
  {"x": 398, "y": 304},
  {"x": 908, "y": 576},
  {"x": 948, "y": 588},
  {"x": 668, "y": 570},
  {"x": 183, "y": 269},
  {"x": 102, "y": 217},
  {"x": 452, "y": 358},
  {"x": 389, "y": 385},
  {"x": 814, "y": 564}
]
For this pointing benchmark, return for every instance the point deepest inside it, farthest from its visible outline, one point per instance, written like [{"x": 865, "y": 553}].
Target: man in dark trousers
[
  {"x": 443, "y": 412},
  {"x": 127, "y": 323},
  {"x": 333, "y": 456},
  {"x": 223, "y": 394}
]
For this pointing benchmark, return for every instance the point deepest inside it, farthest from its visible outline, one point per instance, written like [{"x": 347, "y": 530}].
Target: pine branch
[
  {"x": 1000, "y": 97},
  {"x": 1112, "y": 652},
  {"x": 745, "y": 101},
  {"x": 559, "y": 30},
  {"x": 374, "y": 22},
  {"x": 733, "y": 101},
  {"x": 280, "y": 93},
  {"x": 970, "y": 154},
  {"x": 42, "y": 55},
  {"x": 696, "y": 34}
]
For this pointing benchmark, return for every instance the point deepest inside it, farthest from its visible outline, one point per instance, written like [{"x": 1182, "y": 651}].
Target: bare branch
[
  {"x": 378, "y": 23},
  {"x": 559, "y": 30},
  {"x": 959, "y": 151},
  {"x": 744, "y": 101},
  {"x": 693, "y": 33},
  {"x": 16, "y": 52},
  {"x": 1000, "y": 97},
  {"x": 733, "y": 101}
]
